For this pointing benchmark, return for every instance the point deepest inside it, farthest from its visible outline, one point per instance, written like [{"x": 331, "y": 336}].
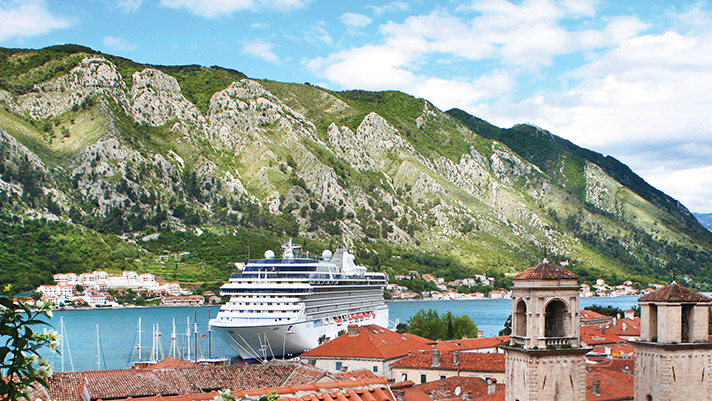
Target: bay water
[{"x": 118, "y": 329}]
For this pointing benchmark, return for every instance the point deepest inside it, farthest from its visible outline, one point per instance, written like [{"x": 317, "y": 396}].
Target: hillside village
[
  {"x": 95, "y": 288},
  {"x": 369, "y": 363}
]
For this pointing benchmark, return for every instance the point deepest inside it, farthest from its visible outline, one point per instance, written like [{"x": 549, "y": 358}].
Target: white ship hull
[
  {"x": 287, "y": 340},
  {"x": 282, "y": 307}
]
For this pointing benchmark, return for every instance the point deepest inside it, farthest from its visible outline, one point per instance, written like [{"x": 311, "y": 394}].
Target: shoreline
[{"x": 387, "y": 300}]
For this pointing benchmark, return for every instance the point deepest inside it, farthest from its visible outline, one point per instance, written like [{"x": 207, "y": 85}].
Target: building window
[
  {"x": 423, "y": 378},
  {"x": 375, "y": 369},
  {"x": 404, "y": 377},
  {"x": 443, "y": 377},
  {"x": 338, "y": 366}
]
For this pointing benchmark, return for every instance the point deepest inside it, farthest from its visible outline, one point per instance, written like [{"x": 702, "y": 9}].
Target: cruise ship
[{"x": 281, "y": 307}]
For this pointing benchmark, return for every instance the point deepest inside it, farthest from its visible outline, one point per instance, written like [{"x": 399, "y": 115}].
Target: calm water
[{"x": 119, "y": 340}]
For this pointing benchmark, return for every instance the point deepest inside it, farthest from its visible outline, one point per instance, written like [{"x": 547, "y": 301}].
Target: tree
[
  {"x": 22, "y": 365},
  {"x": 430, "y": 324},
  {"x": 323, "y": 339},
  {"x": 427, "y": 324},
  {"x": 507, "y": 330}
]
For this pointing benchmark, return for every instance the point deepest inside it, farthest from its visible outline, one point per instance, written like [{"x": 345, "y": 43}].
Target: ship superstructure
[{"x": 281, "y": 307}]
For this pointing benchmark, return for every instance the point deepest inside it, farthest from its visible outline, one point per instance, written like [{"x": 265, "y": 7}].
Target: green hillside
[{"x": 185, "y": 170}]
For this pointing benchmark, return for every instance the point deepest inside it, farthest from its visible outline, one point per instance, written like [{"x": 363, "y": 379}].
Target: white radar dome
[
  {"x": 326, "y": 255},
  {"x": 269, "y": 254}
]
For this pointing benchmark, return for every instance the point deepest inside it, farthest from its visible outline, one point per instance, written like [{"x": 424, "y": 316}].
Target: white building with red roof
[{"x": 368, "y": 347}]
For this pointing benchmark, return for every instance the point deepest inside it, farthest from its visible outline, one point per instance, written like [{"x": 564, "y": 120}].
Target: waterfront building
[
  {"x": 190, "y": 300},
  {"x": 673, "y": 359},
  {"x": 545, "y": 360}
]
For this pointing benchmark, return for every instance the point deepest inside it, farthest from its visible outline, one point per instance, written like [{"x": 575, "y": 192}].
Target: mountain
[
  {"x": 705, "y": 219},
  {"x": 183, "y": 170}
]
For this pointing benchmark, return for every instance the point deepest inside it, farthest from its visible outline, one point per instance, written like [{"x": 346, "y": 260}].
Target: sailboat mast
[
  {"x": 98, "y": 351},
  {"x": 187, "y": 335},
  {"x": 195, "y": 330},
  {"x": 139, "y": 339},
  {"x": 210, "y": 337},
  {"x": 64, "y": 335},
  {"x": 173, "y": 339}
]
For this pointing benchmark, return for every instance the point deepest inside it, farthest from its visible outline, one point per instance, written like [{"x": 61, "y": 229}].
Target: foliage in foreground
[{"x": 22, "y": 365}]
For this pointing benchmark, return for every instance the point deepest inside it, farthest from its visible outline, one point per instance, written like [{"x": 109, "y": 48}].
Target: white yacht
[{"x": 283, "y": 307}]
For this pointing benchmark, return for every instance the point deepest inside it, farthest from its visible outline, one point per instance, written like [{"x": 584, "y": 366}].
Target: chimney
[
  {"x": 624, "y": 326},
  {"x": 491, "y": 385},
  {"x": 629, "y": 314},
  {"x": 352, "y": 330},
  {"x": 626, "y": 370},
  {"x": 597, "y": 387},
  {"x": 441, "y": 387},
  {"x": 480, "y": 333},
  {"x": 436, "y": 357},
  {"x": 400, "y": 395},
  {"x": 456, "y": 357}
]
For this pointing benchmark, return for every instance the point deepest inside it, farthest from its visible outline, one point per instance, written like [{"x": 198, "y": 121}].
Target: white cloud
[
  {"x": 390, "y": 7},
  {"x": 28, "y": 18},
  {"x": 355, "y": 20},
  {"x": 223, "y": 8},
  {"x": 116, "y": 43},
  {"x": 259, "y": 25},
  {"x": 129, "y": 6},
  {"x": 262, "y": 49},
  {"x": 692, "y": 187}
]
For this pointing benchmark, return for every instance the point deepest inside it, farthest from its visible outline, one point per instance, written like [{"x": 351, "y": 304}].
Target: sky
[{"x": 631, "y": 79}]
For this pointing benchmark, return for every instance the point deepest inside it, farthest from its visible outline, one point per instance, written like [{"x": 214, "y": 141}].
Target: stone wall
[
  {"x": 673, "y": 372},
  {"x": 545, "y": 375}
]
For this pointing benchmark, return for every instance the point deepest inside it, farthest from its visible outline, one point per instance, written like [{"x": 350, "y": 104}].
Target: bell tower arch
[{"x": 544, "y": 360}]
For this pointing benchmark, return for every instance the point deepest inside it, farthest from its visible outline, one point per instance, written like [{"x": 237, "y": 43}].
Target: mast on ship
[{"x": 289, "y": 248}]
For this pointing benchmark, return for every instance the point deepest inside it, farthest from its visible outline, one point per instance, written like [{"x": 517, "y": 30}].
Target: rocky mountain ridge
[{"x": 384, "y": 172}]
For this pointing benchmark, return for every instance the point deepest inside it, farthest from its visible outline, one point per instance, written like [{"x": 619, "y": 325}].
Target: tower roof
[
  {"x": 545, "y": 271},
  {"x": 674, "y": 292}
]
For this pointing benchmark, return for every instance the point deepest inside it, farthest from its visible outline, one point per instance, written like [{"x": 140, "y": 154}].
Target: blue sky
[{"x": 632, "y": 79}]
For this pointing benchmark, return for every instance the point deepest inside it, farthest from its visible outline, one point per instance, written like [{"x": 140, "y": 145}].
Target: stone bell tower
[
  {"x": 544, "y": 360},
  {"x": 673, "y": 359}
]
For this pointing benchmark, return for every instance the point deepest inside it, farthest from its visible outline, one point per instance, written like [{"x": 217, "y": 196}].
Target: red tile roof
[
  {"x": 674, "y": 292},
  {"x": 357, "y": 375},
  {"x": 470, "y": 361},
  {"x": 372, "y": 341},
  {"x": 470, "y": 343},
  {"x": 445, "y": 389},
  {"x": 373, "y": 389},
  {"x": 118, "y": 384},
  {"x": 545, "y": 271},
  {"x": 597, "y": 336},
  {"x": 173, "y": 363},
  {"x": 625, "y": 327},
  {"x": 590, "y": 315},
  {"x": 613, "y": 385},
  {"x": 623, "y": 366}
]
